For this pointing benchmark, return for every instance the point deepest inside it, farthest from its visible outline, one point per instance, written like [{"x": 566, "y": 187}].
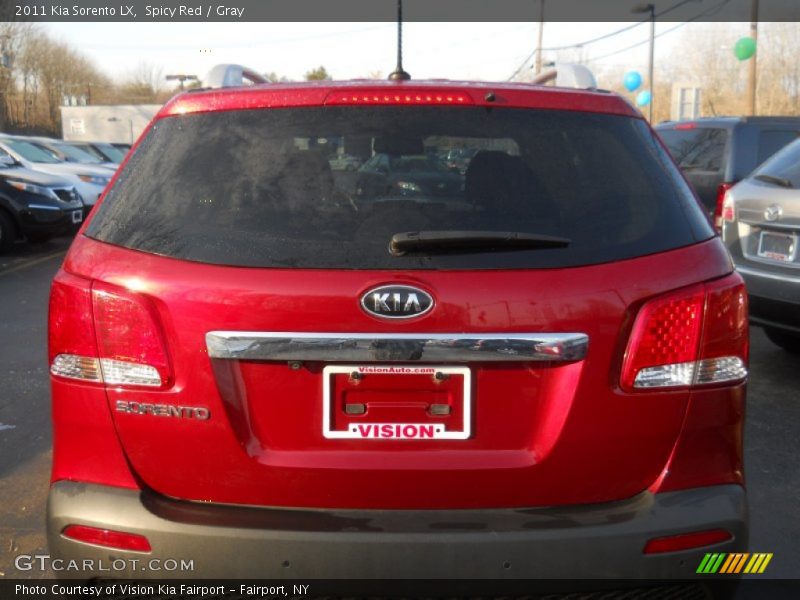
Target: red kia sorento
[{"x": 292, "y": 341}]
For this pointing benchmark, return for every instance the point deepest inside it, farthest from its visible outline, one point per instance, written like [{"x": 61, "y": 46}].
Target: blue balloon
[
  {"x": 643, "y": 98},
  {"x": 632, "y": 80}
]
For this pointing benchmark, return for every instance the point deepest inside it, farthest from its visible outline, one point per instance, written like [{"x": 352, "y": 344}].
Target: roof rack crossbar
[
  {"x": 229, "y": 75},
  {"x": 570, "y": 75}
]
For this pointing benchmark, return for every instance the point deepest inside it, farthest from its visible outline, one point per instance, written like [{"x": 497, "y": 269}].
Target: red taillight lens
[
  {"x": 687, "y": 541},
  {"x": 665, "y": 336},
  {"x": 107, "y": 537},
  {"x": 104, "y": 334},
  {"x": 130, "y": 344},
  {"x": 403, "y": 96},
  {"x": 727, "y": 208},
  {"x": 695, "y": 336},
  {"x": 718, "y": 210},
  {"x": 71, "y": 327}
]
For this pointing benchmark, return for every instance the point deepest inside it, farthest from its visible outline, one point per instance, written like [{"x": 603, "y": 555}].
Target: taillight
[
  {"x": 104, "y": 334},
  {"x": 108, "y": 538},
  {"x": 695, "y": 336},
  {"x": 727, "y": 207},
  {"x": 129, "y": 341},
  {"x": 722, "y": 190}
]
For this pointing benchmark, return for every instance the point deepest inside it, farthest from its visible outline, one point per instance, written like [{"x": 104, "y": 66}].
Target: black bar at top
[{"x": 385, "y": 10}]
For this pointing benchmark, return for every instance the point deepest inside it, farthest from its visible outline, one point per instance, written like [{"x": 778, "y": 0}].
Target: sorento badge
[{"x": 396, "y": 301}]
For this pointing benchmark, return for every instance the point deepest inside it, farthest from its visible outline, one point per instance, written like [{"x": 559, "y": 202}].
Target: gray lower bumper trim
[{"x": 595, "y": 541}]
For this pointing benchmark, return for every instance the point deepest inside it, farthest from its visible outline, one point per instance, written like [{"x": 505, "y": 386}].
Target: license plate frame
[
  {"x": 439, "y": 433},
  {"x": 769, "y": 238},
  {"x": 76, "y": 216}
]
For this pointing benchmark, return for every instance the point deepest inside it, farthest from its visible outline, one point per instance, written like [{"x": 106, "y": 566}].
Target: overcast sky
[{"x": 484, "y": 51}]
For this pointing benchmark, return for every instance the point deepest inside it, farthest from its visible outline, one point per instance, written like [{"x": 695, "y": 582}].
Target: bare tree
[{"x": 144, "y": 84}]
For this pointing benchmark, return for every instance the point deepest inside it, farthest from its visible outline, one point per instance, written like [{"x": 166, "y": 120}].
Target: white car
[
  {"x": 67, "y": 152},
  {"x": 89, "y": 180}
]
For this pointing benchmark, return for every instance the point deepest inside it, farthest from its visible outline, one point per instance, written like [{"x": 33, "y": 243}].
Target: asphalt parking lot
[{"x": 772, "y": 442}]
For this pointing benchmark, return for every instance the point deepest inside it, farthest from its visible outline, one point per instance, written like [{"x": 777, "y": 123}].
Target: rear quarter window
[
  {"x": 785, "y": 165},
  {"x": 328, "y": 187},
  {"x": 696, "y": 149}
]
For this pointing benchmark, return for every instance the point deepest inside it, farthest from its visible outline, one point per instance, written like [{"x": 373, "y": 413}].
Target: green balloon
[{"x": 745, "y": 48}]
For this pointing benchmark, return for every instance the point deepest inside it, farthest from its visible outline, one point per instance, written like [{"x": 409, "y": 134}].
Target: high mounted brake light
[
  {"x": 695, "y": 336},
  {"x": 420, "y": 96},
  {"x": 104, "y": 334}
]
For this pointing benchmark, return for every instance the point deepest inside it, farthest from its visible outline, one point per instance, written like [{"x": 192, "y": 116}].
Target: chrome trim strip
[
  {"x": 43, "y": 207},
  {"x": 397, "y": 347},
  {"x": 767, "y": 275}
]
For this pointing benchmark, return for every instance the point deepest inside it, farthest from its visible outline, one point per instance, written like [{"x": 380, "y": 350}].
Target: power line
[
  {"x": 602, "y": 37},
  {"x": 714, "y": 9}
]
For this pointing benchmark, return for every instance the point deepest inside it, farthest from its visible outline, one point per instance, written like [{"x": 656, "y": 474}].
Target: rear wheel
[
  {"x": 788, "y": 341},
  {"x": 7, "y": 232}
]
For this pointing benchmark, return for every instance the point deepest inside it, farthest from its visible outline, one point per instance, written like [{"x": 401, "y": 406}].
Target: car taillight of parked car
[
  {"x": 718, "y": 210},
  {"x": 104, "y": 334},
  {"x": 696, "y": 336}
]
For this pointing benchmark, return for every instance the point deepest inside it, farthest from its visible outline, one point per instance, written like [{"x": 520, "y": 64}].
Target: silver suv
[{"x": 761, "y": 226}]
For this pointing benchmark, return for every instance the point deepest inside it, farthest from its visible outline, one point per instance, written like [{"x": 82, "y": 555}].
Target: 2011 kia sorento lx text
[{"x": 534, "y": 367}]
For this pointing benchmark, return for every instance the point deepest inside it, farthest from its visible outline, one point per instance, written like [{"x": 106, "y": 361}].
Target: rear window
[
  {"x": 329, "y": 187},
  {"x": 769, "y": 142},
  {"x": 785, "y": 165},
  {"x": 696, "y": 149}
]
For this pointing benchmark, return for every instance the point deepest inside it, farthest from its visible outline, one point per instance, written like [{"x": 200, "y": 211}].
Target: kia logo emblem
[{"x": 396, "y": 302}]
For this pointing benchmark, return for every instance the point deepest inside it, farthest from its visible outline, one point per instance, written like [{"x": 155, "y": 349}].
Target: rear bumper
[
  {"x": 597, "y": 541},
  {"x": 774, "y": 298}
]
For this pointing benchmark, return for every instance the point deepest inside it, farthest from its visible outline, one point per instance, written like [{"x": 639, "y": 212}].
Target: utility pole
[
  {"x": 650, "y": 8},
  {"x": 181, "y": 78},
  {"x": 539, "y": 41},
  {"x": 752, "y": 78}
]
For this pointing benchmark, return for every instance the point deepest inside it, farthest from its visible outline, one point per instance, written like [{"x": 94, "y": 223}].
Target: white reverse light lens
[
  {"x": 709, "y": 370},
  {"x": 118, "y": 372},
  {"x": 112, "y": 372},
  {"x": 716, "y": 370},
  {"x": 678, "y": 374},
  {"x": 77, "y": 367}
]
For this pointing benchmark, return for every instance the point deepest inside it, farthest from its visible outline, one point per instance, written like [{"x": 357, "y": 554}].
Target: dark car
[
  {"x": 542, "y": 374},
  {"x": 715, "y": 153},
  {"x": 35, "y": 205},
  {"x": 418, "y": 176}
]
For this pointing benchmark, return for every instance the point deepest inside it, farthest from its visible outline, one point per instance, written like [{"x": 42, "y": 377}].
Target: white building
[{"x": 116, "y": 124}]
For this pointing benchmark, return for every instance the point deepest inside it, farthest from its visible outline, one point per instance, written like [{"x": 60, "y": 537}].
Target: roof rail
[
  {"x": 227, "y": 75},
  {"x": 568, "y": 75}
]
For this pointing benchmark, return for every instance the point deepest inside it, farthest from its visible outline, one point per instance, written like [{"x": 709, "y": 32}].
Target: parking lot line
[{"x": 32, "y": 263}]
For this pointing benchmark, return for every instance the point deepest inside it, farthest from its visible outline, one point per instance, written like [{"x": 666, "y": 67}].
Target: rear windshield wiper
[
  {"x": 774, "y": 180},
  {"x": 458, "y": 241}
]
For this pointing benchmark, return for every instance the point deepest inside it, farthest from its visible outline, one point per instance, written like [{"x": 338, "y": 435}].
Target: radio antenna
[{"x": 399, "y": 74}]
